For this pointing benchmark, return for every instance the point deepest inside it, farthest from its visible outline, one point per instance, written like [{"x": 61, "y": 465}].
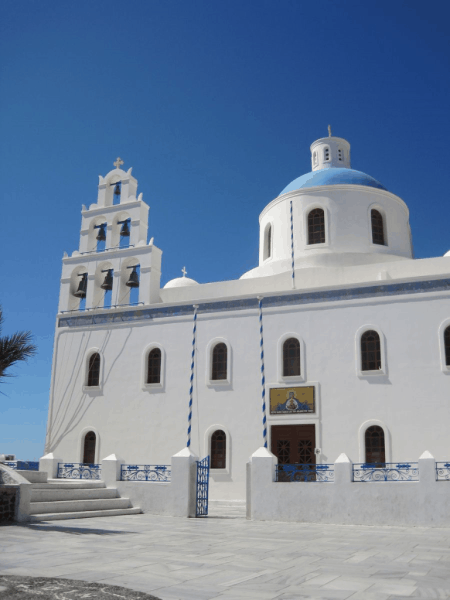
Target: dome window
[
  {"x": 341, "y": 154},
  {"x": 377, "y": 227},
  {"x": 267, "y": 252},
  {"x": 316, "y": 226},
  {"x": 326, "y": 154},
  {"x": 447, "y": 346},
  {"x": 315, "y": 158}
]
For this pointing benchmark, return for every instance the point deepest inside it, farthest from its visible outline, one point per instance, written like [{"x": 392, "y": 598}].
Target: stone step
[
  {"x": 84, "y": 514},
  {"x": 34, "y": 476},
  {"x": 227, "y": 509},
  {"x": 65, "y": 484},
  {"x": 49, "y": 494},
  {"x": 66, "y": 506}
]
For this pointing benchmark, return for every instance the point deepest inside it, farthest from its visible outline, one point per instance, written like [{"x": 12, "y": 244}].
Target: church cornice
[{"x": 248, "y": 303}]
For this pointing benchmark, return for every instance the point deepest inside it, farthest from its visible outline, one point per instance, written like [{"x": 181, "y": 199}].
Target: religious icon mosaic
[{"x": 290, "y": 400}]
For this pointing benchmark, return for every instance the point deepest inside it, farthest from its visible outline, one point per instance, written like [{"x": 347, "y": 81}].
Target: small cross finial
[
  {"x": 329, "y": 130},
  {"x": 183, "y": 270},
  {"x": 118, "y": 163}
]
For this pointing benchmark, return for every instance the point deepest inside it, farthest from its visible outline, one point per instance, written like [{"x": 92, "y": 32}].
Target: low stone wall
[
  {"x": 176, "y": 498},
  {"x": 424, "y": 503},
  {"x": 8, "y": 500},
  {"x": 13, "y": 484}
]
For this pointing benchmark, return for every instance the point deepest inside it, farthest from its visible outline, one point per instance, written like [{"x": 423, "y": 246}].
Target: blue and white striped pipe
[
  {"x": 191, "y": 386},
  {"x": 292, "y": 247},
  {"x": 263, "y": 380}
]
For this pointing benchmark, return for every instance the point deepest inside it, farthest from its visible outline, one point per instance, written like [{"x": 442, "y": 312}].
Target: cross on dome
[
  {"x": 183, "y": 270},
  {"x": 329, "y": 130},
  {"x": 118, "y": 163}
]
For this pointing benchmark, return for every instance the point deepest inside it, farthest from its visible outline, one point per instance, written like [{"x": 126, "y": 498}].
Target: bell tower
[{"x": 114, "y": 265}]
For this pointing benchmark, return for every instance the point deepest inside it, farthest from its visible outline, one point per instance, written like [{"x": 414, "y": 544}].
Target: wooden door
[
  {"x": 294, "y": 444},
  {"x": 89, "y": 448}
]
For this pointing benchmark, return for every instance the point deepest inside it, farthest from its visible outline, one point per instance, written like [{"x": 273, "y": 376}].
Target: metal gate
[{"x": 201, "y": 505}]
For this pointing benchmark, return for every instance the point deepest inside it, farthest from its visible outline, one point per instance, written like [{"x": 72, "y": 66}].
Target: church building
[{"x": 339, "y": 333}]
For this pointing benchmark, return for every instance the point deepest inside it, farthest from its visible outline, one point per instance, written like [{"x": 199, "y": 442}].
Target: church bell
[
  {"x": 133, "y": 282},
  {"x": 101, "y": 235},
  {"x": 117, "y": 190},
  {"x": 125, "y": 229},
  {"x": 107, "y": 285},
  {"x": 82, "y": 286}
]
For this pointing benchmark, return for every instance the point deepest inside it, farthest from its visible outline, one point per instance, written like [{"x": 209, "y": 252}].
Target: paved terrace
[{"x": 201, "y": 559}]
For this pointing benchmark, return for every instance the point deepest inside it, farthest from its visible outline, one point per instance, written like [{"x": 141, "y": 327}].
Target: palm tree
[{"x": 13, "y": 348}]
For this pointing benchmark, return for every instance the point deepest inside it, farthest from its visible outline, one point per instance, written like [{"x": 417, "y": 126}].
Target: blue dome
[{"x": 333, "y": 176}]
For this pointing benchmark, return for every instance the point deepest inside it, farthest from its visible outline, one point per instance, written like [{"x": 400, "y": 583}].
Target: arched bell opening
[
  {"x": 104, "y": 284},
  {"x": 97, "y": 234},
  {"x": 121, "y": 231},
  {"x": 78, "y": 289},
  {"x": 89, "y": 447},
  {"x": 113, "y": 190},
  {"x": 129, "y": 282}
]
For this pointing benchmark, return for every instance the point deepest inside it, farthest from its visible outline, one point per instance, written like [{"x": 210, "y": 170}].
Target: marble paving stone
[{"x": 236, "y": 559}]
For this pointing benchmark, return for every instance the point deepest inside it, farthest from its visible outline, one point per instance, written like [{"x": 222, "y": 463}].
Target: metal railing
[
  {"x": 106, "y": 250},
  {"x": 78, "y": 471},
  {"x": 372, "y": 472},
  {"x": 83, "y": 310},
  {"x": 318, "y": 473},
  {"x": 442, "y": 471},
  {"x": 23, "y": 465},
  {"x": 146, "y": 473}
]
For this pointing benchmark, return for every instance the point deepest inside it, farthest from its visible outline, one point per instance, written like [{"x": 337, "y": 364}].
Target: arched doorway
[{"x": 89, "y": 448}]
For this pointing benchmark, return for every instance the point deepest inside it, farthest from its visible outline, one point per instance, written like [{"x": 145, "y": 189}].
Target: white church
[{"x": 356, "y": 336}]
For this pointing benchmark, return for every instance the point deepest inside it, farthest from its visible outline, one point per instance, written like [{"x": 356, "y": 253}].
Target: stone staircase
[
  {"x": 227, "y": 509},
  {"x": 58, "y": 499}
]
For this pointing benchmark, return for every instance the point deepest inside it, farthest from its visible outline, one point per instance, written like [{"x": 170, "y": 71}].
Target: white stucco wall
[
  {"x": 149, "y": 425},
  {"x": 422, "y": 503}
]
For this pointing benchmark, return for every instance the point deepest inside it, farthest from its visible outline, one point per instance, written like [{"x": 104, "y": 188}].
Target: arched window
[
  {"x": 268, "y": 242},
  {"x": 154, "y": 366},
  {"x": 93, "y": 378},
  {"x": 447, "y": 346},
  {"x": 291, "y": 358},
  {"x": 316, "y": 226},
  {"x": 315, "y": 158},
  {"x": 326, "y": 154},
  {"x": 218, "y": 449},
  {"x": 370, "y": 351},
  {"x": 219, "y": 362},
  {"x": 374, "y": 443},
  {"x": 377, "y": 228},
  {"x": 89, "y": 448}
]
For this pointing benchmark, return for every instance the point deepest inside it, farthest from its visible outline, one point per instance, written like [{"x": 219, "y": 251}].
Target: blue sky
[{"x": 214, "y": 105}]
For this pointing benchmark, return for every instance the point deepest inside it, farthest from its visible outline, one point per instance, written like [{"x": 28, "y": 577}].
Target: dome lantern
[{"x": 330, "y": 152}]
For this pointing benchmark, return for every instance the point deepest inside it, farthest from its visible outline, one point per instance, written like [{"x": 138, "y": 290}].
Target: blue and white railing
[
  {"x": 78, "y": 471},
  {"x": 22, "y": 465},
  {"x": 443, "y": 471},
  {"x": 155, "y": 473},
  {"x": 372, "y": 472},
  {"x": 318, "y": 473}
]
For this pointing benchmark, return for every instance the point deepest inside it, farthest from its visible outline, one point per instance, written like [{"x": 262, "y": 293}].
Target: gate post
[
  {"x": 262, "y": 476},
  {"x": 184, "y": 483}
]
